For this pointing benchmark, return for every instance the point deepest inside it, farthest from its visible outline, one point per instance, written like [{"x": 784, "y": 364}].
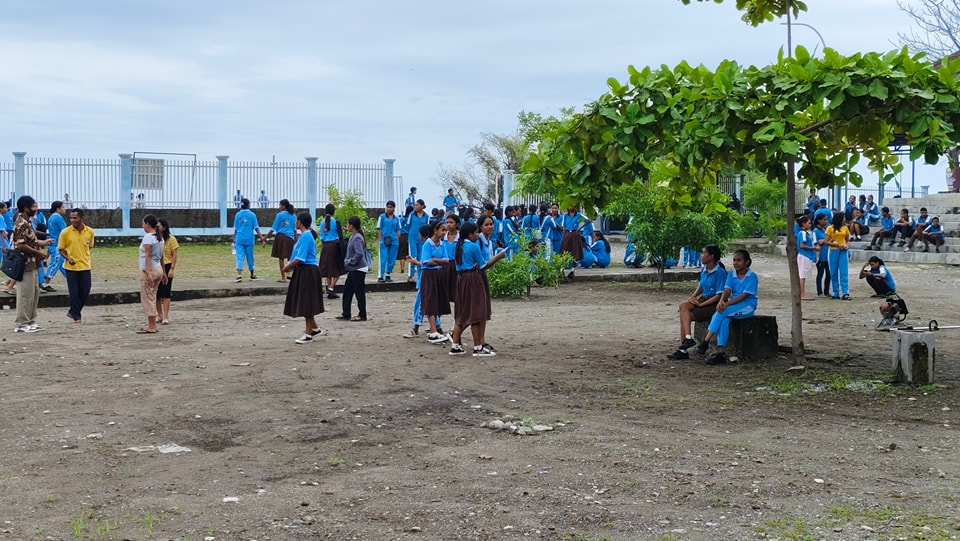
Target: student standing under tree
[
  {"x": 305, "y": 293},
  {"x": 806, "y": 253},
  {"x": 74, "y": 246},
  {"x": 838, "y": 239},
  {"x": 823, "y": 256}
]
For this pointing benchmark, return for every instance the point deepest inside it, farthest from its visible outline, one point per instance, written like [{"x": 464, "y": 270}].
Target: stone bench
[{"x": 753, "y": 338}]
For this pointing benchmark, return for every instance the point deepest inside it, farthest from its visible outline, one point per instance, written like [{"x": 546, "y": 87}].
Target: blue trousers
[
  {"x": 720, "y": 323},
  {"x": 388, "y": 258},
  {"x": 823, "y": 277},
  {"x": 415, "y": 248},
  {"x": 55, "y": 264},
  {"x": 838, "y": 272},
  {"x": 244, "y": 251}
]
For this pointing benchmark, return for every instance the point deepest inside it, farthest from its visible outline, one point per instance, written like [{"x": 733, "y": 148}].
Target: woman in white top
[{"x": 151, "y": 271}]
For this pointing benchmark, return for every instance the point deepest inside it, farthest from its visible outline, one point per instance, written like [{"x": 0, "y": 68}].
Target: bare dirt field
[{"x": 365, "y": 435}]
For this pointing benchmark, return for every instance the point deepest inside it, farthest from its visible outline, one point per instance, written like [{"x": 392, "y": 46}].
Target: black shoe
[
  {"x": 379, "y": 280},
  {"x": 703, "y": 347},
  {"x": 388, "y": 279},
  {"x": 48, "y": 288},
  {"x": 687, "y": 344},
  {"x": 900, "y": 244},
  {"x": 679, "y": 354},
  {"x": 938, "y": 249},
  {"x": 717, "y": 358}
]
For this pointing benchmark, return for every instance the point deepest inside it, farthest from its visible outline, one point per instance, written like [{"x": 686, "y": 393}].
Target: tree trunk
[
  {"x": 796, "y": 312},
  {"x": 953, "y": 160},
  {"x": 661, "y": 268}
]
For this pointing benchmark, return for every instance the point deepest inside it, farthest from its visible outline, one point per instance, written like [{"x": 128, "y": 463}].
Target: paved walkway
[{"x": 122, "y": 292}]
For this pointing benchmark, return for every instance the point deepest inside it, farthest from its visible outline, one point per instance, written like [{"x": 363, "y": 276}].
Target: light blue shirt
[
  {"x": 450, "y": 203},
  {"x": 882, "y": 272},
  {"x": 305, "y": 250},
  {"x": 388, "y": 226},
  {"x": 245, "y": 224},
  {"x": 432, "y": 251},
  {"x": 806, "y": 242},
  {"x": 55, "y": 225},
  {"x": 329, "y": 235},
  {"x": 712, "y": 282},
  {"x": 471, "y": 258},
  {"x": 285, "y": 224},
  {"x": 748, "y": 284}
]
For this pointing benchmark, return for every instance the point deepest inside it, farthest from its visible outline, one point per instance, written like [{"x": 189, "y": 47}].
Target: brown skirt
[
  {"x": 449, "y": 271},
  {"x": 433, "y": 294},
  {"x": 473, "y": 302},
  {"x": 573, "y": 242},
  {"x": 305, "y": 292},
  {"x": 403, "y": 250},
  {"x": 331, "y": 263},
  {"x": 282, "y": 247}
]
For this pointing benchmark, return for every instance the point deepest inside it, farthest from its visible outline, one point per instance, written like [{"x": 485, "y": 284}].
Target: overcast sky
[{"x": 358, "y": 81}]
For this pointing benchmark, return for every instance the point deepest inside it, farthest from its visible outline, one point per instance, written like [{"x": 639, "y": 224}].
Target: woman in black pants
[{"x": 357, "y": 268}]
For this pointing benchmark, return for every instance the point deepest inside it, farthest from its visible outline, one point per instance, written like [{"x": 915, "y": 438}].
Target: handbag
[
  {"x": 14, "y": 263},
  {"x": 388, "y": 240}
]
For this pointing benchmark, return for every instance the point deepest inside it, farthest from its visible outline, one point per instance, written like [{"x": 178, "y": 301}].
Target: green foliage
[
  {"x": 766, "y": 197},
  {"x": 351, "y": 203},
  {"x": 759, "y": 11},
  {"x": 826, "y": 113},
  {"x": 510, "y": 278}
]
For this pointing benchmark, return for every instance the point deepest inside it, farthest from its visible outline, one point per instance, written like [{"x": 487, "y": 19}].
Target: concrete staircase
[{"x": 946, "y": 206}]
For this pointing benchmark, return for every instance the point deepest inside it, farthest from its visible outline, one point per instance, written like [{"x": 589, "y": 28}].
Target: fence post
[
  {"x": 222, "y": 189},
  {"x": 312, "y": 185},
  {"x": 126, "y": 189},
  {"x": 507, "y": 186},
  {"x": 19, "y": 177},
  {"x": 388, "y": 184}
]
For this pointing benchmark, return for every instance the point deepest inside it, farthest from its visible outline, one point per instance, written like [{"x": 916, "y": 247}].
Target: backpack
[{"x": 343, "y": 242}]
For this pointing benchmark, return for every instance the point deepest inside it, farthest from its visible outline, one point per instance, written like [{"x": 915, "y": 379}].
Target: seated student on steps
[
  {"x": 933, "y": 234},
  {"x": 886, "y": 230}
]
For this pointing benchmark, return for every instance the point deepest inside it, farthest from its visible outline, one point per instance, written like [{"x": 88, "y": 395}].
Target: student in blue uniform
[
  {"x": 388, "y": 234},
  {"x": 531, "y": 223},
  {"x": 738, "y": 301},
  {"x": 600, "y": 247},
  {"x": 702, "y": 304},
  {"x": 573, "y": 242},
  {"x": 416, "y": 220},
  {"x": 905, "y": 225},
  {"x": 552, "y": 226},
  {"x": 921, "y": 224},
  {"x": 331, "y": 260},
  {"x": 404, "y": 249},
  {"x": 305, "y": 293},
  {"x": 871, "y": 211},
  {"x": 450, "y": 202},
  {"x": 933, "y": 234},
  {"x": 823, "y": 256},
  {"x": 806, "y": 253},
  {"x": 245, "y": 228},
  {"x": 434, "y": 296},
  {"x": 858, "y": 226},
  {"x": 425, "y": 232},
  {"x": 886, "y": 230},
  {"x": 411, "y": 197},
  {"x": 879, "y": 278},
  {"x": 284, "y": 229},
  {"x": 55, "y": 225},
  {"x": 473, "y": 307}
]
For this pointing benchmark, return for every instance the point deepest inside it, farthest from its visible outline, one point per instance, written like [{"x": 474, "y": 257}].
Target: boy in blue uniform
[
  {"x": 417, "y": 219},
  {"x": 886, "y": 230},
  {"x": 921, "y": 224},
  {"x": 905, "y": 225},
  {"x": 450, "y": 202},
  {"x": 55, "y": 224},
  {"x": 933, "y": 234},
  {"x": 388, "y": 233}
]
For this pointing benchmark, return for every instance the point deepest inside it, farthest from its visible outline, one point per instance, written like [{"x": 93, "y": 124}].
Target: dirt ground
[{"x": 365, "y": 435}]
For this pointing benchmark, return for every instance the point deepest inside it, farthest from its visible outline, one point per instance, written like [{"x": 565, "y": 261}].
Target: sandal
[
  {"x": 358, "y": 318},
  {"x": 146, "y": 331},
  {"x": 845, "y": 298}
]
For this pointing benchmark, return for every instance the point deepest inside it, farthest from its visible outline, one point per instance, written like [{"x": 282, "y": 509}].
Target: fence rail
[{"x": 162, "y": 183}]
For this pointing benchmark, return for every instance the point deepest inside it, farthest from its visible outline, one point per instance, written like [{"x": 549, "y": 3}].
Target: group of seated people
[{"x": 864, "y": 215}]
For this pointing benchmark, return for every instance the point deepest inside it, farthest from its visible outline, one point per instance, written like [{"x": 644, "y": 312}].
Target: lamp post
[{"x": 788, "y": 24}]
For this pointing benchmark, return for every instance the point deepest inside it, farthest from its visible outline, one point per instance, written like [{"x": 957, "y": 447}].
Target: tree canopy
[{"x": 760, "y": 11}]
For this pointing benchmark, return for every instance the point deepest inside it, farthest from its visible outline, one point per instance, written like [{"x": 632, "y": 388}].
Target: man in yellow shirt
[{"x": 74, "y": 246}]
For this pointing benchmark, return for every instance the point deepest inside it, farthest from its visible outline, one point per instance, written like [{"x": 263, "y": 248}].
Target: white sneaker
[
  {"x": 437, "y": 338},
  {"x": 412, "y": 333},
  {"x": 305, "y": 339},
  {"x": 28, "y": 328},
  {"x": 483, "y": 352}
]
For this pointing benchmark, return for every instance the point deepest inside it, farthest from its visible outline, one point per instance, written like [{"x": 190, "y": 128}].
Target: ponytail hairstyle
[
  {"x": 166, "y": 228},
  {"x": 466, "y": 230},
  {"x": 746, "y": 255},
  {"x": 328, "y": 210},
  {"x": 439, "y": 224},
  {"x": 801, "y": 221},
  {"x": 714, "y": 252},
  {"x": 426, "y": 231},
  {"x": 306, "y": 221},
  {"x": 287, "y": 206},
  {"x": 875, "y": 259},
  {"x": 152, "y": 221},
  {"x": 244, "y": 202}
]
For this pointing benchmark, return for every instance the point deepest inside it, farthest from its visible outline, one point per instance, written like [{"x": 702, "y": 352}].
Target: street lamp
[{"x": 819, "y": 35}]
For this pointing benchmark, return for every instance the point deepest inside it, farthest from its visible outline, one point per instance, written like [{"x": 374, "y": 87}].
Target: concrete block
[
  {"x": 753, "y": 338},
  {"x": 914, "y": 356}
]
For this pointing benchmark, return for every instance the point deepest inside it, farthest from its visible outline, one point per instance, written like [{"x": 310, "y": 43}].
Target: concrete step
[{"x": 859, "y": 255}]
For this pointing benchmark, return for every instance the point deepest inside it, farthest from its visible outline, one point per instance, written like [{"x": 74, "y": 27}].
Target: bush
[
  {"x": 511, "y": 278},
  {"x": 351, "y": 203}
]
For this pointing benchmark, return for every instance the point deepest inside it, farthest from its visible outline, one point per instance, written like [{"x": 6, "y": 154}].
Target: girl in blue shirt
[
  {"x": 879, "y": 278},
  {"x": 305, "y": 292},
  {"x": 806, "y": 253},
  {"x": 702, "y": 304},
  {"x": 434, "y": 296},
  {"x": 284, "y": 228},
  {"x": 601, "y": 249},
  {"x": 473, "y": 300},
  {"x": 331, "y": 260},
  {"x": 738, "y": 301},
  {"x": 552, "y": 226},
  {"x": 531, "y": 223},
  {"x": 418, "y": 218},
  {"x": 404, "y": 249}
]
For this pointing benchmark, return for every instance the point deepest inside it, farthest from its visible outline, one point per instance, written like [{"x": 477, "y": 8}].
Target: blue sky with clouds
[{"x": 357, "y": 81}]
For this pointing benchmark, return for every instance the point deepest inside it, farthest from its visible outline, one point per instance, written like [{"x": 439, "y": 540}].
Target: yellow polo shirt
[{"x": 77, "y": 244}]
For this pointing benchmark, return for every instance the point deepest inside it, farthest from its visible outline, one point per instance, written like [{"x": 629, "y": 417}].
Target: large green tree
[{"x": 824, "y": 114}]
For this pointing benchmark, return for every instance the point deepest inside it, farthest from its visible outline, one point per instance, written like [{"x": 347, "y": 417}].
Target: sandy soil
[{"x": 365, "y": 435}]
